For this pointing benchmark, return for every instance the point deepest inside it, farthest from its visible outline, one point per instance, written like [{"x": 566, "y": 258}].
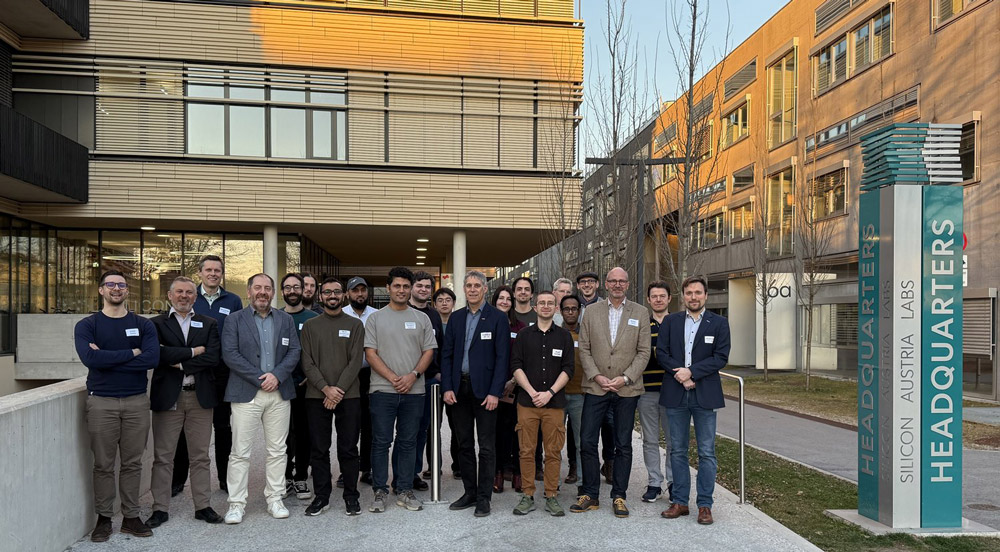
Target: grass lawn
[
  {"x": 836, "y": 400},
  {"x": 796, "y": 497}
]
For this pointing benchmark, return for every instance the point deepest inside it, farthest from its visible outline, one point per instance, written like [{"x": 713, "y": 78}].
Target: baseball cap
[{"x": 355, "y": 282}]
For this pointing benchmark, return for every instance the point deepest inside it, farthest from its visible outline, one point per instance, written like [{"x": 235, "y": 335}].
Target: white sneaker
[
  {"x": 277, "y": 510},
  {"x": 235, "y": 514}
]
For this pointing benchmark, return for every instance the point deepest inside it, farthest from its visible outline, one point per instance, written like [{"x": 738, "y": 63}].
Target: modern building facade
[{"x": 335, "y": 136}]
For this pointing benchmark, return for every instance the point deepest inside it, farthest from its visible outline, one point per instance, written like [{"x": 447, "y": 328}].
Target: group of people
[{"x": 522, "y": 375}]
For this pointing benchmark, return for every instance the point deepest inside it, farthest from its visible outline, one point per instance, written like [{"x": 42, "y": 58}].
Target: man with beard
[
  {"x": 587, "y": 284},
  {"x": 524, "y": 289},
  {"x": 261, "y": 348},
  {"x": 332, "y": 348},
  {"x": 309, "y": 298},
  {"x": 118, "y": 347},
  {"x": 357, "y": 294},
  {"x": 297, "y": 469}
]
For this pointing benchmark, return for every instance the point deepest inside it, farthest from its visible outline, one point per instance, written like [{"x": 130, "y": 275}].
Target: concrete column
[
  {"x": 458, "y": 266},
  {"x": 271, "y": 257}
]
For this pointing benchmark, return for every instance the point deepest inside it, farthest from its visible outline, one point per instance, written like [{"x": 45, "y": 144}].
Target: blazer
[
  {"x": 709, "y": 354},
  {"x": 241, "y": 352},
  {"x": 628, "y": 356},
  {"x": 489, "y": 358},
  {"x": 174, "y": 349}
]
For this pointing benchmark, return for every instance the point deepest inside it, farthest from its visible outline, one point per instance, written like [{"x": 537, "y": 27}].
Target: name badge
[
  {"x": 132, "y": 332},
  {"x": 557, "y": 353},
  {"x": 709, "y": 339},
  {"x": 224, "y": 310},
  {"x": 197, "y": 324},
  {"x": 409, "y": 325},
  {"x": 434, "y": 331},
  {"x": 633, "y": 322},
  {"x": 513, "y": 335},
  {"x": 300, "y": 326},
  {"x": 284, "y": 341},
  {"x": 485, "y": 335},
  {"x": 531, "y": 324},
  {"x": 576, "y": 344},
  {"x": 344, "y": 333}
]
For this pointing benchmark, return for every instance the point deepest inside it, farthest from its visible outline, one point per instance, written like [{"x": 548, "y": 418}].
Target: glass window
[
  {"x": 244, "y": 258},
  {"x": 6, "y": 316},
  {"x": 122, "y": 251},
  {"x": 780, "y": 204},
  {"x": 246, "y": 92},
  {"x": 206, "y": 128},
  {"x": 246, "y": 131},
  {"x": 206, "y": 90},
  {"x": 20, "y": 267},
  {"x": 967, "y": 151},
  {"x": 288, "y": 133},
  {"x": 161, "y": 263},
  {"x": 709, "y": 232},
  {"x": 38, "y": 260},
  {"x": 781, "y": 81},
  {"x": 829, "y": 194},
  {"x": 197, "y": 246},
  {"x": 862, "y": 46},
  {"x": 79, "y": 268},
  {"x": 741, "y": 222},
  {"x": 882, "y": 34},
  {"x": 283, "y": 95},
  {"x": 736, "y": 125},
  {"x": 322, "y": 133},
  {"x": 341, "y": 135},
  {"x": 743, "y": 179},
  {"x": 334, "y": 98}
]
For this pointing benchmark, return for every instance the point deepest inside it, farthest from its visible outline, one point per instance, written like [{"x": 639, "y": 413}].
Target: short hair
[
  {"x": 421, "y": 275},
  {"x": 474, "y": 274},
  {"x": 694, "y": 280},
  {"x": 545, "y": 292},
  {"x": 255, "y": 276},
  {"x": 111, "y": 272},
  {"x": 301, "y": 278},
  {"x": 570, "y": 297},
  {"x": 444, "y": 291},
  {"x": 531, "y": 285},
  {"x": 561, "y": 281},
  {"x": 658, "y": 284},
  {"x": 182, "y": 280},
  {"x": 331, "y": 280},
  {"x": 305, "y": 275},
  {"x": 401, "y": 272},
  {"x": 206, "y": 258}
]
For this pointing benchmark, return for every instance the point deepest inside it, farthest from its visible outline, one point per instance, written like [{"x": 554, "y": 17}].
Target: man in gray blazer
[
  {"x": 261, "y": 348},
  {"x": 614, "y": 349}
]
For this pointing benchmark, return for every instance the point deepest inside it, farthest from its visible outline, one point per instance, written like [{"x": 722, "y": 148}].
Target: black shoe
[
  {"x": 420, "y": 484},
  {"x": 539, "y": 476},
  {"x": 158, "y": 518},
  {"x": 426, "y": 474},
  {"x": 208, "y": 515},
  {"x": 366, "y": 477},
  {"x": 353, "y": 507},
  {"x": 134, "y": 526},
  {"x": 224, "y": 487},
  {"x": 584, "y": 504},
  {"x": 318, "y": 506},
  {"x": 651, "y": 494},
  {"x": 456, "y": 474},
  {"x": 176, "y": 490},
  {"x": 482, "y": 508},
  {"x": 340, "y": 481},
  {"x": 102, "y": 530},
  {"x": 467, "y": 501}
]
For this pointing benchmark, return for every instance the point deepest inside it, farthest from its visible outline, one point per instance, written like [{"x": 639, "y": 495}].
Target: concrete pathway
[
  {"x": 834, "y": 449},
  {"x": 737, "y": 527}
]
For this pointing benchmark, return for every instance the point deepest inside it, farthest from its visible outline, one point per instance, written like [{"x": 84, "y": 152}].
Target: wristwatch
[
  {"x": 628, "y": 380},
  {"x": 416, "y": 374}
]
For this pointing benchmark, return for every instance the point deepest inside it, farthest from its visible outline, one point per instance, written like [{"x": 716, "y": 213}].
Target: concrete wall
[
  {"x": 8, "y": 383},
  {"x": 742, "y": 321}
]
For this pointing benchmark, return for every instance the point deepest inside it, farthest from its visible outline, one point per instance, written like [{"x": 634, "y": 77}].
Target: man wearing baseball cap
[{"x": 357, "y": 295}]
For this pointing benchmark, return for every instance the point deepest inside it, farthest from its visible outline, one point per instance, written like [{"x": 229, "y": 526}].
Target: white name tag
[
  {"x": 224, "y": 310},
  {"x": 132, "y": 332},
  {"x": 633, "y": 322},
  {"x": 513, "y": 335},
  {"x": 557, "y": 353},
  {"x": 410, "y": 325},
  {"x": 284, "y": 341},
  {"x": 485, "y": 335},
  {"x": 300, "y": 326},
  {"x": 531, "y": 324},
  {"x": 197, "y": 324},
  {"x": 344, "y": 333},
  {"x": 435, "y": 332},
  {"x": 576, "y": 344},
  {"x": 709, "y": 339}
]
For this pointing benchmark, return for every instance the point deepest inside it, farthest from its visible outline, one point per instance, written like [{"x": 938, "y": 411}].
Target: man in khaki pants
[{"x": 182, "y": 396}]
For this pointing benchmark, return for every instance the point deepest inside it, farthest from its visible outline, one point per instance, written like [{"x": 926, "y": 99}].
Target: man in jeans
[
  {"x": 118, "y": 347},
  {"x": 542, "y": 365},
  {"x": 693, "y": 346},
  {"x": 399, "y": 345},
  {"x": 652, "y": 415}
]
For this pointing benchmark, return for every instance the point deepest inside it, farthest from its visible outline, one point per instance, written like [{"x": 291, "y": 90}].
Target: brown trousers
[
  {"x": 196, "y": 422},
  {"x": 553, "y": 438},
  {"x": 117, "y": 426}
]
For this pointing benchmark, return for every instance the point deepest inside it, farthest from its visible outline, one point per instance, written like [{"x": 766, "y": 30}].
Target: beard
[
  {"x": 308, "y": 301},
  {"x": 359, "y": 304},
  {"x": 293, "y": 299},
  {"x": 332, "y": 304}
]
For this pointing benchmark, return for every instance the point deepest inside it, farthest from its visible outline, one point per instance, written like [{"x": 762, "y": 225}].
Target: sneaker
[
  {"x": 353, "y": 507},
  {"x": 527, "y": 504},
  {"x": 378, "y": 505},
  {"x": 553, "y": 507},
  {"x": 619, "y": 508},
  {"x": 277, "y": 510},
  {"x": 289, "y": 488},
  {"x": 366, "y": 477},
  {"x": 340, "y": 481},
  {"x": 234, "y": 515},
  {"x": 102, "y": 530},
  {"x": 317, "y": 507},
  {"x": 651, "y": 494},
  {"x": 420, "y": 484},
  {"x": 134, "y": 526},
  {"x": 302, "y": 491},
  {"x": 584, "y": 504},
  {"x": 409, "y": 501}
]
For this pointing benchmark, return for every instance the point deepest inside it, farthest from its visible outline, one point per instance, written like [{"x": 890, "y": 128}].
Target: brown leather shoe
[
  {"x": 675, "y": 511},
  {"x": 498, "y": 483},
  {"x": 571, "y": 478},
  {"x": 102, "y": 530},
  {"x": 705, "y": 515},
  {"x": 515, "y": 482},
  {"x": 135, "y": 527}
]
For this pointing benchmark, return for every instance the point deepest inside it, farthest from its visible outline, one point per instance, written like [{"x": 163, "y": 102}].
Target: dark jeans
[
  {"x": 223, "y": 442},
  {"x": 425, "y": 424},
  {"x": 364, "y": 378},
  {"x": 348, "y": 422},
  {"x": 298, "y": 443},
  {"x": 608, "y": 436},
  {"x": 680, "y": 432},
  {"x": 595, "y": 409},
  {"x": 391, "y": 410},
  {"x": 507, "y": 447},
  {"x": 472, "y": 417}
]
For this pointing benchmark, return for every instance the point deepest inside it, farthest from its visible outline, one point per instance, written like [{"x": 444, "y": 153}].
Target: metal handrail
[
  {"x": 743, "y": 496},
  {"x": 435, "y": 459}
]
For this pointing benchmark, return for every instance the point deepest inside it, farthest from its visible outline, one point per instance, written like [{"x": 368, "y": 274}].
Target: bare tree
[{"x": 766, "y": 217}]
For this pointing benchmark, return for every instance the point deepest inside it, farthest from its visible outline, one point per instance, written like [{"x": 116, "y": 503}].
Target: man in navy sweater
[{"x": 118, "y": 347}]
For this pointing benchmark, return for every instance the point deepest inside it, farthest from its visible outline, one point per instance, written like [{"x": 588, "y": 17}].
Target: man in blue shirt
[{"x": 118, "y": 347}]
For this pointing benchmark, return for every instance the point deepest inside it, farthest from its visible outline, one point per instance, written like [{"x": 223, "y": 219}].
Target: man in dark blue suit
[
  {"x": 692, "y": 347},
  {"x": 474, "y": 366}
]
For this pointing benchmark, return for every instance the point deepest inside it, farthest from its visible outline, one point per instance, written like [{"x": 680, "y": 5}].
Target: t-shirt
[
  {"x": 529, "y": 318},
  {"x": 298, "y": 376},
  {"x": 400, "y": 337}
]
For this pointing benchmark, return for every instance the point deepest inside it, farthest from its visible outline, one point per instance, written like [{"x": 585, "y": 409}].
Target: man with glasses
[
  {"x": 614, "y": 350},
  {"x": 298, "y": 443},
  {"x": 118, "y": 347},
  {"x": 586, "y": 284}
]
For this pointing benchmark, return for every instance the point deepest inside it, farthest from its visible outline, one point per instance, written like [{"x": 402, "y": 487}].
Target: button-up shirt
[
  {"x": 542, "y": 356},
  {"x": 265, "y": 330},
  {"x": 615, "y": 318},
  {"x": 185, "y": 323},
  {"x": 691, "y": 324},
  {"x": 471, "y": 322},
  {"x": 210, "y": 297},
  {"x": 363, "y": 317}
]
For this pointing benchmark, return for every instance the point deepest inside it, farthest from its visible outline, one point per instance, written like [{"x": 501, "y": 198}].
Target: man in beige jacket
[{"x": 614, "y": 350}]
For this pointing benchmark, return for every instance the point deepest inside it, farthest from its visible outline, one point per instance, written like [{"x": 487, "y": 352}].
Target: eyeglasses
[
  {"x": 616, "y": 282},
  {"x": 113, "y": 285},
  {"x": 587, "y": 281},
  {"x": 329, "y": 292},
  {"x": 291, "y": 288},
  {"x": 571, "y": 309}
]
